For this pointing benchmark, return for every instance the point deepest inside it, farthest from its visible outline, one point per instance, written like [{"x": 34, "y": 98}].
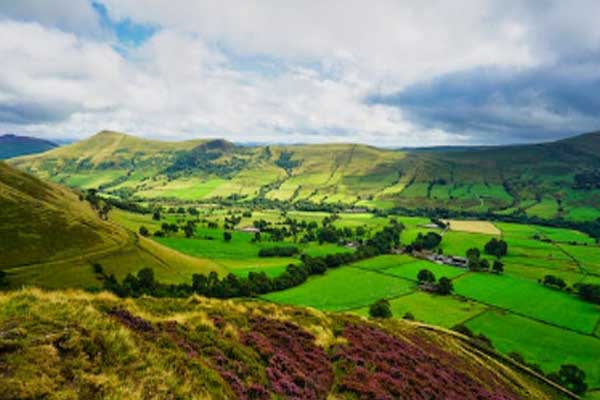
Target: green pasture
[{"x": 530, "y": 299}]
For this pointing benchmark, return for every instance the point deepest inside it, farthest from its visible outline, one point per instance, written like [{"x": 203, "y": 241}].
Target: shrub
[
  {"x": 380, "y": 309},
  {"x": 144, "y": 231}
]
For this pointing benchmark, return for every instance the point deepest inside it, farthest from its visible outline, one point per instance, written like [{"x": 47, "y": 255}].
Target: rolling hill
[
  {"x": 50, "y": 236},
  {"x": 80, "y": 345},
  {"x": 541, "y": 180},
  {"x": 15, "y": 146}
]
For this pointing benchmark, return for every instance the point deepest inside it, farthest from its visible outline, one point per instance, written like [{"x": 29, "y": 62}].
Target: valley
[{"x": 300, "y": 222}]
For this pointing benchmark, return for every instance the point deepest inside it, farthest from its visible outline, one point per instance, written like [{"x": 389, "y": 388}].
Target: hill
[
  {"x": 78, "y": 345},
  {"x": 15, "y": 146},
  {"x": 547, "y": 181},
  {"x": 51, "y": 236}
]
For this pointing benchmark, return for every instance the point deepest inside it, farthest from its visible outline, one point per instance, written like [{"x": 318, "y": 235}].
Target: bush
[
  {"x": 380, "y": 309},
  {"x": 144, "y": 231},
  {"x": 444, "y": 286},
  {"x": 227, "y": 236}
]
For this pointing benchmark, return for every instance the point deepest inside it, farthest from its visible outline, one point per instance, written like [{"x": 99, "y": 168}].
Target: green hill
[
  {"x": 540, "y": 180},
  {"x": 50, "y": 236},
  {"x": 78, "y": 345},
  {"x": 15, "y": 146}
]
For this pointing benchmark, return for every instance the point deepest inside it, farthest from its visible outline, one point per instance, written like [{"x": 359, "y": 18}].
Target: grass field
[
  {"x": 484, "y": 227},
  {"x": 343, "y": 289},
  {"x": 541, "y": 344},
  {"x": 445, "y": 311},
  {"x": 530, "y": 299}
]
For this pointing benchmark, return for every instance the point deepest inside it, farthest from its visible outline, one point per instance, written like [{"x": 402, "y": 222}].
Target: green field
[
  {"x": 344, "y": 288},
  {"x": 445, "y": 311},
  {"x": 529, "y": 299},
  {"x": 541, "y": 344}
]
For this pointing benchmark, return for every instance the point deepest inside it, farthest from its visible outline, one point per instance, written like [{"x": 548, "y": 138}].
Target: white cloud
[{"x": 203, "y": 72}]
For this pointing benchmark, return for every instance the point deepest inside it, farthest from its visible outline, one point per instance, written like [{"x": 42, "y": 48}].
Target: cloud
[
  {"x": 506, "y": 105},
  {"x": 76, "y": 16},
  {"x": 392, "y": 73}
]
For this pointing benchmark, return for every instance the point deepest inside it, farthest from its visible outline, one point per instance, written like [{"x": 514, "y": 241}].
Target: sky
[{"x": 388, "y": 73}]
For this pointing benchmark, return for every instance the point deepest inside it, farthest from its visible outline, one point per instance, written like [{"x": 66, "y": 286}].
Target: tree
[
  {"x": 2, "y": 278},
  {"x": 146, "y": 282},
  {"x": 144, "y": 231},
  {"x": 189, "y": 229},
  {"x": 473, "y": 255},
  {"x": 444, "y": 286},
  {"x": 484, "y": 264},
  {"x": 496, "y": 247},
  {"x": 380, "y": 309},
  {"x": 571, "y": 377},
  {"x": 425, "y": 276},
  {"x": 553, "y": 281},
  {"x": 498, "y": 267},
  {"x": 98, "y": 269},
  {"x": 227, "y": 236},
  {"x": 156, "y": 215}
]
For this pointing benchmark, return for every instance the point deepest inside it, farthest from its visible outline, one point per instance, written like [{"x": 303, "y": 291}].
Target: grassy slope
[
  {"x": 50, "y": 238},
  {"x": 73, "y": 345}
]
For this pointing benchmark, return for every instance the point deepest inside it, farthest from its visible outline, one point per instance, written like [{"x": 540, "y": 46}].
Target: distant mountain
[
  {"x": 15, "y": 146},
  {"x": 549, "y": 180}
]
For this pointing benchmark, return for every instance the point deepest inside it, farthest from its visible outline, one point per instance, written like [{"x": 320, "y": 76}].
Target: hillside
[
  {"x": 15, "y": 146},
  {"x": 540, "y": 180},
  {"x": 77, "y": 345},
  {"x": 50, "y": 236}
]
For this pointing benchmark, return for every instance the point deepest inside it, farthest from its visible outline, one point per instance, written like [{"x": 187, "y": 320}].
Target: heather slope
[{"x": 73, "y": 344}]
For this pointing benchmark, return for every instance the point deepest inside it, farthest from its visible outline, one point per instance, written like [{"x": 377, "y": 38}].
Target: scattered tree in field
[
  {"x": 408, "y": 316},
  {"x": 496, "y": 247},
  {"x": 227, "y": 236},
  {"x": 444, "y": 286},
  {"x": 380, "y": 309},
  {"x": 98, "y": 268},
  {"x": 484, "y": 264},
  {"x": 156, "y": 215},
  {"x": 498, "y": 267},
  {"x": 144, "y": 231},
  {"x": 554, "y": 281},
  {"x": 571, "y": 377},
  {"x": 189, "y": 229},
  {"x": 426, "y": 276},
  {"x": 473, "y": 257}
]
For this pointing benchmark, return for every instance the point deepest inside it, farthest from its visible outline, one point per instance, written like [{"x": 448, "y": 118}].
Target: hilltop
[
  {"x": 540, "y": 180},
  {"x": 73, "y": 344},
  {"x": 51, "y": 236},
  {"x": 15, "y": 146}
]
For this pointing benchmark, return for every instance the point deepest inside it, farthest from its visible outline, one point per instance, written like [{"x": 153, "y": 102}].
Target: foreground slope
[
  {"x": 78, "y": 345},
  {"x": 50, "y": 236},
  {"x": 15, "y": 146},
  {"x": 550, "y": 180}
]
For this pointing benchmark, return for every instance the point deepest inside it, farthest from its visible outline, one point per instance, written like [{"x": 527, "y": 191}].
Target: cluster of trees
[
  {"x": 101, "y": 205},
  {"x": 429, "y": 241},
  {"x": 279, "y": 251},
  {"x": 588, "y": 292},
  {"x": 476, "y": 263},
  {"x": 587, "y": 180},
  {"x": 554, "y": 282},
  {"x": 497, "y": 248},
  {"x": 257, "y": 282},
  {"x": 427, "y": 279}
]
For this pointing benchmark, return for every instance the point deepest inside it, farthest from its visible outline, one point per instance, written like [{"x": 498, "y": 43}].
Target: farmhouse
[
  {"x": 454, "y": 261},
  {"x": 249, "y": 229}
]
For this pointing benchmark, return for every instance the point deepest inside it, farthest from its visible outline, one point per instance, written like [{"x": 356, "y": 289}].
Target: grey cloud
[{"x": 27, "y": 113}]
